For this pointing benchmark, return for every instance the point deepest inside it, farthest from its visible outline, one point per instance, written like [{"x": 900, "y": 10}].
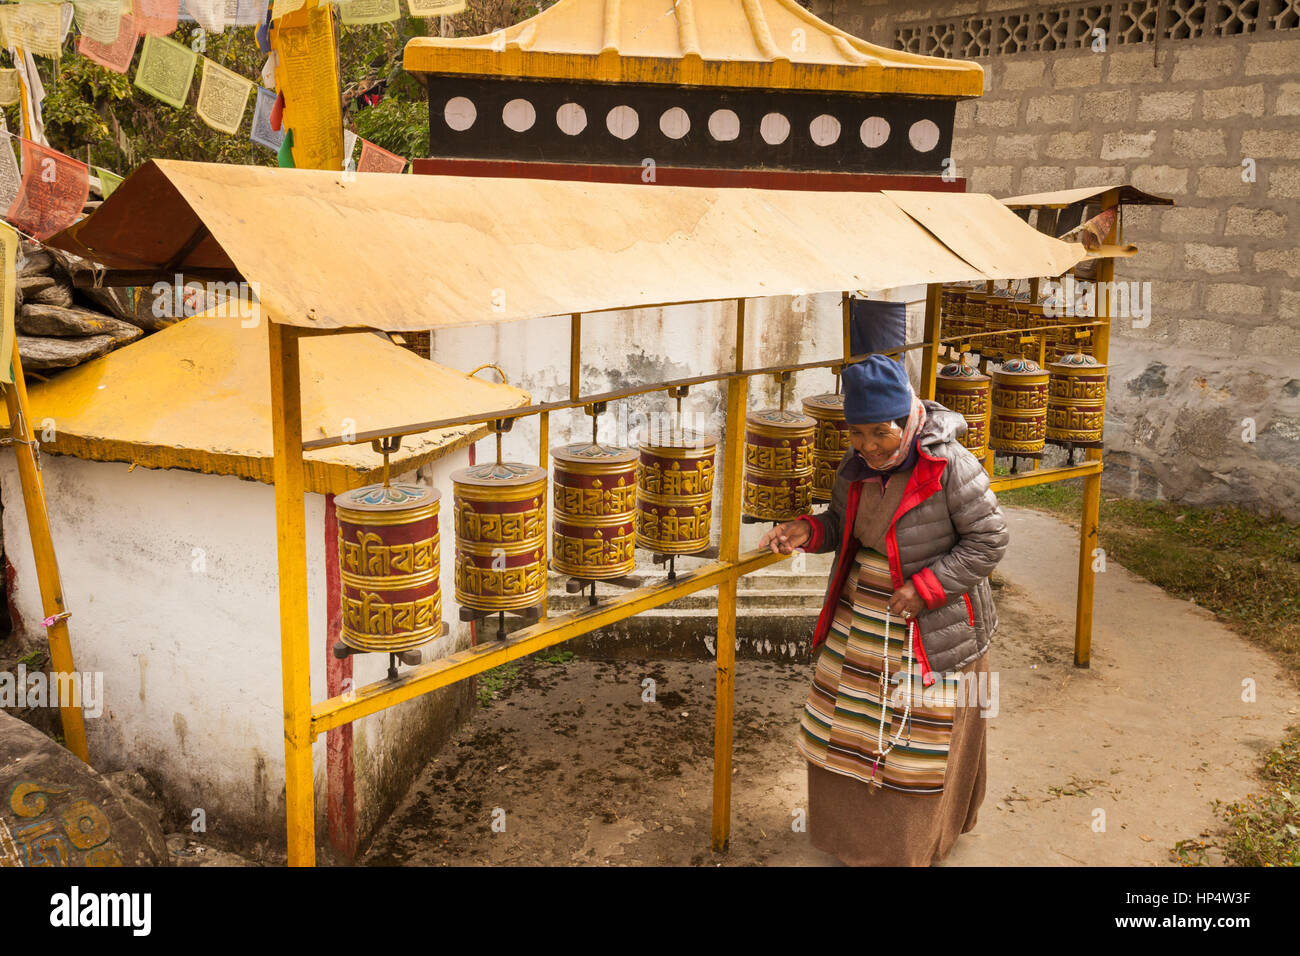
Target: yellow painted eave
[
  {"x": 196, "y": 396},
  {"x": 753, "y": 44}
]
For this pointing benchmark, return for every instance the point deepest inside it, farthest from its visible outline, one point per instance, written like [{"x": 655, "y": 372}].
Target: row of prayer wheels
[
  {"x": 1020, "y": 406},
  {"x": 607, "y": 501},
  {"x": 969, "y": 313}
]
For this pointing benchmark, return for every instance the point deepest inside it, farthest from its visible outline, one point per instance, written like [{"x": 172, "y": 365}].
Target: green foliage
[
  {"x": 555, "y": 656},
  {"x": 1266, "y": 826},
  {"x": 491, "y": 683},
  {"x": 101, "y": 117},
  {"x": 34, "y": 659},
  {"x": 401, "y": 128}
]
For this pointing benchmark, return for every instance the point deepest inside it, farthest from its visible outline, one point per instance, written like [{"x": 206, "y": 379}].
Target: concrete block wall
[{"x": 1213, "y": 123}]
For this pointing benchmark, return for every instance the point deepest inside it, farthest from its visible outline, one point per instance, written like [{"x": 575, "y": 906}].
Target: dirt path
[{"x": 583, "y": 771}]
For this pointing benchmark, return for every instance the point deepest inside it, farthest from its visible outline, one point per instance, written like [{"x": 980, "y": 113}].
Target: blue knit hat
[{"x": 876, "y": 390}]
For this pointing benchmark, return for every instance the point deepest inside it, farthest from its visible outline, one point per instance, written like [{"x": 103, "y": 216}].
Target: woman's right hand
[{"x": 785, "y": 537}]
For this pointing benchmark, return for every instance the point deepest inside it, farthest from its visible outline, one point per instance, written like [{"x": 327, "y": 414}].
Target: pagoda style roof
[
  {"x": 753, "y": 44},
  {"x": 196, "y": 396}
]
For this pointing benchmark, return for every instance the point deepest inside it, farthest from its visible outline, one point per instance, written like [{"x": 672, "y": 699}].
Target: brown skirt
[{"x": 864, "y": 825}]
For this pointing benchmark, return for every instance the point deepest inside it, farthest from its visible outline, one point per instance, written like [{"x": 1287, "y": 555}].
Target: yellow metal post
[
  {"x": 724, "y": 685},
  {"x": 47, "y": 566},
  {"x": 1090, "y": 518},
  {"x": 291, "y": 533},
  {"x": 930, "y": 354}
]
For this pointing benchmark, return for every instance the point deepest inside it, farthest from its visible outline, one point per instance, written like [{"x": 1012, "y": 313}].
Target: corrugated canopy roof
[
  {"x": 405, "y": 252},
  {"x": 765, "y": 44},
  {"x": 197, "y": 396},
  {"x": 1128, "y": 195}
]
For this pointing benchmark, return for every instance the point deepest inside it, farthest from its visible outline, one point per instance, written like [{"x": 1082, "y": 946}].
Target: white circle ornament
[
  {"x": 675, "y": 123},
  {"x": 774, "y": 128},
  {"x": 824, "y": 130},
  {"x": 460, "y": 113},
  {"x": 519, "y": 115},
  {"x": 874, "y": 132},
  {"x": 622, "y": 122},
  {"x": 924, "y": 135},
  {"x": 571, "y": 119},
  {"x": 724, "y": 125}
]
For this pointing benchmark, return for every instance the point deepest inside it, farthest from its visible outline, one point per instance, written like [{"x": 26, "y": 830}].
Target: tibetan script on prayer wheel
[
  {"x": 594, "y": 495},
  {"x": 388, "y": 566},
  {"x": 778, "y": 477},
  {"x": 830, "y": 441},
  {"x": 674, "y": 491},
  {"x": 500, "y": 535},
  {"x": 1019, "y": 423},
  {"x": 965, "y": 390},
  {"x": 1076, "y": 400}
]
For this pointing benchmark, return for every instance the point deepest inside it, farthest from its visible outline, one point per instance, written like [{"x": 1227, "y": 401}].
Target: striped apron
[{"x": 841, "y": 724}]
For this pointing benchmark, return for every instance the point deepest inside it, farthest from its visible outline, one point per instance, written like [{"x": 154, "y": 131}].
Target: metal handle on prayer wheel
[
  {"x": 385, "y": 447},
  {"x": 491, "y": 366}
]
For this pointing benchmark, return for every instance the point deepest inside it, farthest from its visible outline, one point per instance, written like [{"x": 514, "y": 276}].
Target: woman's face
[{"x": 875, "y": 442}]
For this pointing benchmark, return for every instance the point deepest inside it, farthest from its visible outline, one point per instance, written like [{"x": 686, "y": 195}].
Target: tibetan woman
[{"x": 892, "y": 729}]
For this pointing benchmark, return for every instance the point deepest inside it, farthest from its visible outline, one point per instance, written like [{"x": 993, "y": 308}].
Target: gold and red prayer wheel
[
  {"x": 674, "y": 490},
  {"x": 1076, "y": 400},
  {"x": 965, "y": 390},
  {"x": 830, "y": 440},
  {"x": 997, "y": 318},
  {"x": 1025, "y": 316},
  {"x": 976, "y": 321},
  {"x": 1019, "y": 422},
  {"x": 778, "y": 477},
  {"x": 500, "y": 535},
  {"x": 952, "y": 319},
  {"x": 388, "y": 566},
  {"x": 593, "y": 528},
  {"x": 1069, "y": 340}
]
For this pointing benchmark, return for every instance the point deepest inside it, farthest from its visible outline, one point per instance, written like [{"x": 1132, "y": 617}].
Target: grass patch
[
  {"x": 33, "y": 660},
  {"x": 554, "y": 655},
  {"x": 1246, "y": 569},
  {"x": 491, "y": 683}
]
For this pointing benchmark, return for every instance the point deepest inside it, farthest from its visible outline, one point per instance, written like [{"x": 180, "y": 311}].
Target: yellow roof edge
[
  {"x": 910, "y": 75},
  {"x": 322, "y": 477}
]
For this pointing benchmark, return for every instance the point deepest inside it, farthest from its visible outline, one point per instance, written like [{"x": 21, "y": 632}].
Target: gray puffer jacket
[{"x": 947, "y": 536}]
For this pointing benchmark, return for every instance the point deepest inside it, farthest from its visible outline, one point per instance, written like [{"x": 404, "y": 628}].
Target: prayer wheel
[
  {"x": 594, "y": 525},
  {"x": 830, "y": 441},
  {"x": 388, "y": 566},
  {"x": 500, "y": 535},
  {"x": 1024, "y": 316},
  {"x": 976, "y": 321},
  {"x": 1019, "y": 423},
  {"x": 965, "y": 390},
  {"x": 778, "y": 478},
  {"x": 1068, "y": 340},
  {"x": 1076, "y": 400},
  {"x": 952, "y": 319},
  {"x": 674, "y": 490},
  {"x": 997, "y": 318}
]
